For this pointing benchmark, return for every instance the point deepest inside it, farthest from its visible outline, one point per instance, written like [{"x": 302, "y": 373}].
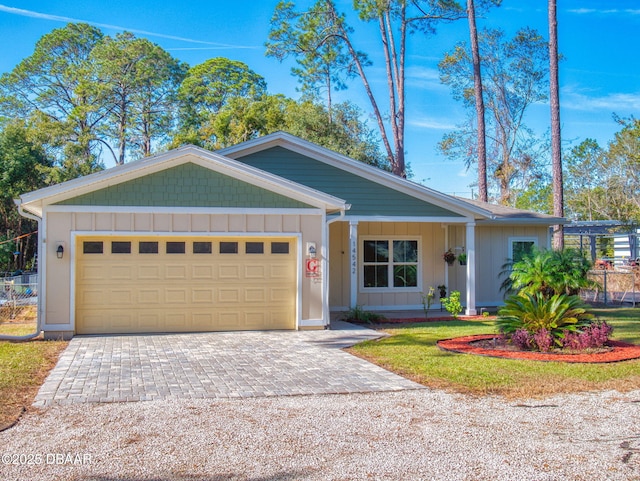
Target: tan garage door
[{"x": 169, "y": 284}]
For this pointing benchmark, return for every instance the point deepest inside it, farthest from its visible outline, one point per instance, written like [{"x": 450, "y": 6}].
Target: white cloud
[
  {"x": 575, "y": 99},
  {"x": 424, "y": 78},
  {"x": 58, "y": 18},
  {"x": 431, "y": 123},
  {"x": 610, "y": 11}
]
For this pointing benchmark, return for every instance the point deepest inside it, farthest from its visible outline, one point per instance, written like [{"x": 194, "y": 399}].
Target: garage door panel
[
  {"x": 202, "y": 272},
  {"x": 176, "y": 272},
  {"x": 255, "y": 294},
  {"x": 202, "y": 295},
  {"x": 280, "y": 294},
  {"x": 92, "y": 272},
  {"x": 121, "y": 272},
  {"x": 176, "y": 296},
  {"x": 149, "y": 296},
  {"x": 204, "y": 291},
  {"x": 148, "y": 272},
  {"x": 120, "y": 297},
  {"x": 229, "y": 272},
  {"x": 254, "y": 272}
]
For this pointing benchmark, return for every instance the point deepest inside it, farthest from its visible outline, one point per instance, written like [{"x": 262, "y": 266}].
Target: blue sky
[{"x": 599, "y": 76}]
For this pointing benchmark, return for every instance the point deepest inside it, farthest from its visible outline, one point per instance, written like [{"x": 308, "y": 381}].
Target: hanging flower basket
[
  {"x": 449, "y": 257},
  {"x": 462, "y": 259}
]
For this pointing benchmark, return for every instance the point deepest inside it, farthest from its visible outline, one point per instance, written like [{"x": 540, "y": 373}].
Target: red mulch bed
[
  {"x": 620, "y": 351},
  {"x": 435, "y": 319}
]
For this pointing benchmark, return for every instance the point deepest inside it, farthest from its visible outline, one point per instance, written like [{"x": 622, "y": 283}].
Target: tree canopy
[{"x": 514, "y": 78}]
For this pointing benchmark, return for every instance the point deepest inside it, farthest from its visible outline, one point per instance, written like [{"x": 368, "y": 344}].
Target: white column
[
  {"x": 471, "y": 269},
  {"x": 353, "y": 263}
]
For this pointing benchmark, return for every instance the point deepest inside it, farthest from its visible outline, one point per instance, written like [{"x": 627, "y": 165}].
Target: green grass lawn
[
  {"x": 23, "y": 368},
  {"x": 411, "y": 351}
]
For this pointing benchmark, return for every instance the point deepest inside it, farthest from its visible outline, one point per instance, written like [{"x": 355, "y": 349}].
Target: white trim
[
  {"x": 73, "y": 264},
  {"x": 390, "y": 289},
  {"x": 513, "y": 239},
  {"x": 423, "y": 219},
  {"x": 353, "y": 262},
  {"x": 312, "y": 323},
  {"x": 57, "y": 327},
  {"x": 179, "y": 210},
  {"x": 111, "y": 233},
  {"x": 324, "y": 270},
  {"x": 470, "y": 236}
]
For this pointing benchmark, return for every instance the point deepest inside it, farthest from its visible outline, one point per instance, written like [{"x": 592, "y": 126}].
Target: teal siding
[
  {"x": 187, "y": 185},
  {"x": 367, "y": 198}
]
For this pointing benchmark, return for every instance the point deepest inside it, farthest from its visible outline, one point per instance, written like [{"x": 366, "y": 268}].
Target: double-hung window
[{"x": 390, "y": 264}]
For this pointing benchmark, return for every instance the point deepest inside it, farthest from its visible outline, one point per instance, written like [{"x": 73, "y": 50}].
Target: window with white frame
[
  {"x": 519, "y": 247},
  {"x": 390, "y": 264}
]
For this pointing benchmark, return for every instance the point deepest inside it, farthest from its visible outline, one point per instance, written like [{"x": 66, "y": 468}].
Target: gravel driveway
[{"x": 406, "y": 435}]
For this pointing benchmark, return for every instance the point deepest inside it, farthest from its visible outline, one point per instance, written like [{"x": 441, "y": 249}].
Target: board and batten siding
[
  {"x": 492, "y": 252},
  {"x": 431, "y": 239},
  {"x": 60, "y": 227},
  {"x": 364, "y": 195}
]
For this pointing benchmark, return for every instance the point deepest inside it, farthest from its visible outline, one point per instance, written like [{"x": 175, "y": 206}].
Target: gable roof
[
  {"x": 120, "y": 175},
  {"x": 467, "y": 208},
  {"x": 502, "y": 213}
]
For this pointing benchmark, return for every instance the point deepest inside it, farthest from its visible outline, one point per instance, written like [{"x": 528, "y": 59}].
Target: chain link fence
[
  {"x": 620, "y": 286},
  {"x": 18, "y": 297}
]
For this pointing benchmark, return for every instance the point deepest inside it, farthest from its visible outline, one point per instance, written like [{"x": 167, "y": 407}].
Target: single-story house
[{"x": 273, "y": 233}]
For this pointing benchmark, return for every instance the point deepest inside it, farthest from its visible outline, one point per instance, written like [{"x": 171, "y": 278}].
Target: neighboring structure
[
  {"x": 270, "y": 234},
  {"x": 596, "y": 237}
]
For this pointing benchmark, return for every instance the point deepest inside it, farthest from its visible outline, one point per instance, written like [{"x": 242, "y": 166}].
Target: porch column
[
  {"x": 353, "y": 263},
  {"x": 471, "y": 269}
]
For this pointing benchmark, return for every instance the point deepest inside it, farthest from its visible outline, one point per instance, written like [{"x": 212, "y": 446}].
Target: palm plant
[
  {"x": 534, "y": 312},
  {"x": 548, "y": 272}
]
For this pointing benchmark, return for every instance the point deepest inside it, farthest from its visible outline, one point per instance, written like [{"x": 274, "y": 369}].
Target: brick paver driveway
[{"x": 214, "y": 365}]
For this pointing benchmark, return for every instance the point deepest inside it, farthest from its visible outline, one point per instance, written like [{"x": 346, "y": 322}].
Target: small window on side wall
[{"x": 520, "y": 247}]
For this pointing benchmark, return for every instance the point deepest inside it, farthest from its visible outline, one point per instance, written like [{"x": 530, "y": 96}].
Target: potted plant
[
  {"x": 443, "y": 290},
  {"x": 462, "y": 259},
  {"x": 449, "y": 257}
]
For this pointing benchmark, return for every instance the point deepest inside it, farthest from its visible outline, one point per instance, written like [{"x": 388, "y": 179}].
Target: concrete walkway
[{"x": 215, "y": 365}]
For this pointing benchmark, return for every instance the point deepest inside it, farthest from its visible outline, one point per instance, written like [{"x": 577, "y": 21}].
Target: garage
[{"x": 138, "y": 284}]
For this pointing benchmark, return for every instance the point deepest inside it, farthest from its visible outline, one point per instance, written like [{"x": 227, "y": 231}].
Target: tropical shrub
[
  {"x": 548, "y": 272},
  {"x": 546, "y": 321},
  {"x": 591, "y": 337},
  {"x": 452, "y": 304}
]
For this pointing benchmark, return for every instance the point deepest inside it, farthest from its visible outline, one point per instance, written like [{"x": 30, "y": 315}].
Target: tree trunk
[
  {"x": 477, "y": 85},
  {"x": 556, "y": 147}
]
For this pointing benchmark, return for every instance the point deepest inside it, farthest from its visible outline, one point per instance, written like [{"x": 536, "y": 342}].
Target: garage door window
[
  {"x": 175, "y": 247},
  {"x": 121, "y": 247},
  {"x": 148, "y": 248},
  {"x": 279, "y": 247},
  {"x": 254, "y": 247},
  {"x": 202, "y": 248},
  {"x": 92, "y": 247},
  {"x": 228, "y": 247}
]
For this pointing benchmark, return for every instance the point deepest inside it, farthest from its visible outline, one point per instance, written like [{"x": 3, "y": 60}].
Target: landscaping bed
[{"x": 490, "y": 345}]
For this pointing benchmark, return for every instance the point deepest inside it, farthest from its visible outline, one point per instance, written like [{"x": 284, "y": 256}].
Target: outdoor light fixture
[{"x": 60, "y": 252}]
